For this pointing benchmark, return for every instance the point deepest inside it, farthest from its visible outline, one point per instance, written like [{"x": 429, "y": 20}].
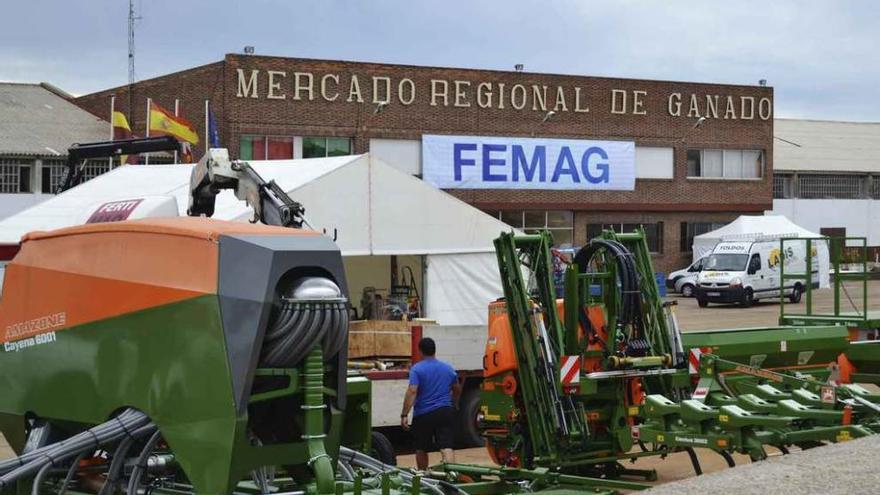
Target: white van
[
  {"x": 683, "y": 281},
  {"x": 744, "y": 272}
]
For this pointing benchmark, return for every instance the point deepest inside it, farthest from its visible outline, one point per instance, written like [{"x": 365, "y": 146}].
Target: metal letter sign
[{"x": 485, "y": 162}]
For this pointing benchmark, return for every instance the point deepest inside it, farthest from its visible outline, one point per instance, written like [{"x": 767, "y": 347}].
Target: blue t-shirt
[{"x": 434, "y": 379}]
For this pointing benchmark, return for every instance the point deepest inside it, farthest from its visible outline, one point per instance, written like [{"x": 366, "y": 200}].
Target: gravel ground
[
  {"x": 691, "y": 317},
  {"x": 840, "y": 469}
]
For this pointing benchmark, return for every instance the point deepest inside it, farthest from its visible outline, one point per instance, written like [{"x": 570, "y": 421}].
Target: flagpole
[
  {"x": 112, "y": 111},
  {"x": 176, "y": 109},
  {"x": 207, "y": 128},
  {"x": 149, "y": 104}
]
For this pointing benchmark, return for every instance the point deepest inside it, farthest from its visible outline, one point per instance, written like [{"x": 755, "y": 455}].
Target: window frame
[
  {"x": 724, "y": 152},
  {"x": 52, "y": 174},
  {"x": 659, "y": 225},
  {"x": 326, "y": 145},
  {"x": 17, "y": 164},
  {"x": 687, "y": 247},
  {"x": 499, "y": 214}
]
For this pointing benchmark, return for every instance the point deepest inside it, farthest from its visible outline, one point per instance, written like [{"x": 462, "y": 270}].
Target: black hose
[
  {"x": 38, "y": 479},
  {"x": 298, "y": 330},
  {"x": 140, "y": 466},
  {"x": 628, "y": 276},
  {"x": 70, "y": 473},
  {"x": 287, "y": 319},
  {"x": 119, "y": 456},
  {"x": 341, "y": 329}
]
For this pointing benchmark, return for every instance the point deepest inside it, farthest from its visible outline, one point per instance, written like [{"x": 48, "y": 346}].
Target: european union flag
[{"x": 213, "y": 130}]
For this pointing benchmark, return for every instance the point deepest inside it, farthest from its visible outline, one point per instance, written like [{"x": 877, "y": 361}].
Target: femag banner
[{"x": 486, "y": 162}]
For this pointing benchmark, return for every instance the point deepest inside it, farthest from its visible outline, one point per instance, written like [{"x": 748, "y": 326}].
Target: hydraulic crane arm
[
  {"x": 215, "y": 172},
  {"x": 80, "y": 152}
]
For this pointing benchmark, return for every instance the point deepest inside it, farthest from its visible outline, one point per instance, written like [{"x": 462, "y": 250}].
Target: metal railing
[{"x": 836, "y": 247}]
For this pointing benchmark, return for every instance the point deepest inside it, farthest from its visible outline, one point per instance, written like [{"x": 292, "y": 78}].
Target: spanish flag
[
  {"x": 121, "y": 130},
  {"x": 163, "y": 122}
]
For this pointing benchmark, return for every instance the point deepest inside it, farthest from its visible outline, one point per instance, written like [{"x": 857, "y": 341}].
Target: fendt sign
[{"x": 486, "y": 162}]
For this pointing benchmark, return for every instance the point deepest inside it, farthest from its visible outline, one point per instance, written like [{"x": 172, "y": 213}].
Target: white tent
[
  {"x": 373, "y": 209},
  {"x": 746, "y": 227}
]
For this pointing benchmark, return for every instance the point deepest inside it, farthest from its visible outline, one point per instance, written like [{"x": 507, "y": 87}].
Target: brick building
[{"x": 689, "y": 177}]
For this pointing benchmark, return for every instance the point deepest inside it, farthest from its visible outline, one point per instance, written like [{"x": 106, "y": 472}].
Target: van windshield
[{"x": 726, "y": 262}]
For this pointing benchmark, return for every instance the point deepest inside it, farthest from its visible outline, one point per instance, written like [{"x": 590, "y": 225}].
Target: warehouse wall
[{"x": 858, "y": 216}]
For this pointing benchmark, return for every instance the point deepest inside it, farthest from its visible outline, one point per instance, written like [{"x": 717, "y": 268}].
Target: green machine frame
[{"x": 862, "y": 319}]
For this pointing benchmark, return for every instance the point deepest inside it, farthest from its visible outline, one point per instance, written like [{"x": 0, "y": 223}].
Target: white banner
[{"x": 486, "y": 162}]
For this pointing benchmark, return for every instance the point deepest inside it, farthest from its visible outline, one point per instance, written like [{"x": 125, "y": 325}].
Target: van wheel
[
  {"x": 381, "y": 448},
  {"x": 702, "y": 303},
  {"x": 687, "y": 290},
  {"x": 468, "y": 432},
  {"x": 748, "y": 298},
  {"x": 796, "y": 292}
]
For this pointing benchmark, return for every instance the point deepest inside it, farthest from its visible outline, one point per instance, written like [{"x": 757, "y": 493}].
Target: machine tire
[
  {"x": 467, "y": 431},
  {"x": 687, "y": 290},
  {"x": 702, "y": 303},
  {"x": 748, "y": 298},
  {"x": 381, "y": 448},
  {"x": 796, "y": 292}
]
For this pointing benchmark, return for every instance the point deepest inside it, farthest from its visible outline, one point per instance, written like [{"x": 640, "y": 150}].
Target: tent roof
[
  {"x": 372, "y": 207},
  {"x": 757, "y": 225}
]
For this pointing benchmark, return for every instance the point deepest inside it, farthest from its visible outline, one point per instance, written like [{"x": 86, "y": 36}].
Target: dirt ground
[
  {"x": 690, "y": 318},
  {"x": 674, "y": 467}
]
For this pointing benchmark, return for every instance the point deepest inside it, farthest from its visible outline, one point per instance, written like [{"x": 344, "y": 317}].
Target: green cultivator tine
[
  {"x": 753, "y": 403},
  {"x": 735, "y": 417},
  {"x": 800, "y": 411}
]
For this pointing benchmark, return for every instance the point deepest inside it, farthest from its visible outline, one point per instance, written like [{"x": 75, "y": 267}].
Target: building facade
[
  {"x": 38, "y": 123},
  {"x": 703, "y": 152},
  {"x": 828, "y": 177}
]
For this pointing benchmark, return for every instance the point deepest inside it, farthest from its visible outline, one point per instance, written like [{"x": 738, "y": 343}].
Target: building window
[
  {"x": 53, "y": 173},
  {"x": 691, "y": 229},
  {"x": 827, "y": 186},
  {"x": 560, "y": 223},
  {"x": 15, "y": 176},
  {"x": 95, "y": 168},
  {"x": 725, "y": 164},
  {"x": 782, "y": 185},
  {"x": 838, "y": 232},
  {"x": 265, "y": 148},
  {"x": 653, "y": 232},
  {"x": 320, "y": 147}
]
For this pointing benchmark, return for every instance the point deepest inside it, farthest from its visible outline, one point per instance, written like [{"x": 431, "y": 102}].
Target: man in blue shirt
[{"x": 433, "y": 389}]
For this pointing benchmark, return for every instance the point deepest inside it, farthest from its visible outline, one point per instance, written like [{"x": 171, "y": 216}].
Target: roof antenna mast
[
  {"x": 131, "y": 20},
  {"x": 131, "y": 76}
]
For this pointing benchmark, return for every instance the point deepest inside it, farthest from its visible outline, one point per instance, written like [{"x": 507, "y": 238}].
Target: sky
[{"x": 821, "y": 57}]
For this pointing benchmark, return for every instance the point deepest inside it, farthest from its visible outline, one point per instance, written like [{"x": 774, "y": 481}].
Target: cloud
[{"x": 820, "y": 56}]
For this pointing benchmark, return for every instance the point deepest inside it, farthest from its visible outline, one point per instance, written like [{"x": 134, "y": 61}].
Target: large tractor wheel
[
  {"x": 468, "y": 432},
  {"x": 382, "y": 449}
]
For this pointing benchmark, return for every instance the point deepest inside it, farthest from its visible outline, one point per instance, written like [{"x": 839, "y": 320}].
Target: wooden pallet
[{"x": 380, "y": 338}]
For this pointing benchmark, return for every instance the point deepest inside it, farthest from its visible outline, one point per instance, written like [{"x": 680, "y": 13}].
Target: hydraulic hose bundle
[
  {"x": 629, "y": 287},
  {"x": 129, "y": 424},
  {"x": 313, "y": 312}
]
